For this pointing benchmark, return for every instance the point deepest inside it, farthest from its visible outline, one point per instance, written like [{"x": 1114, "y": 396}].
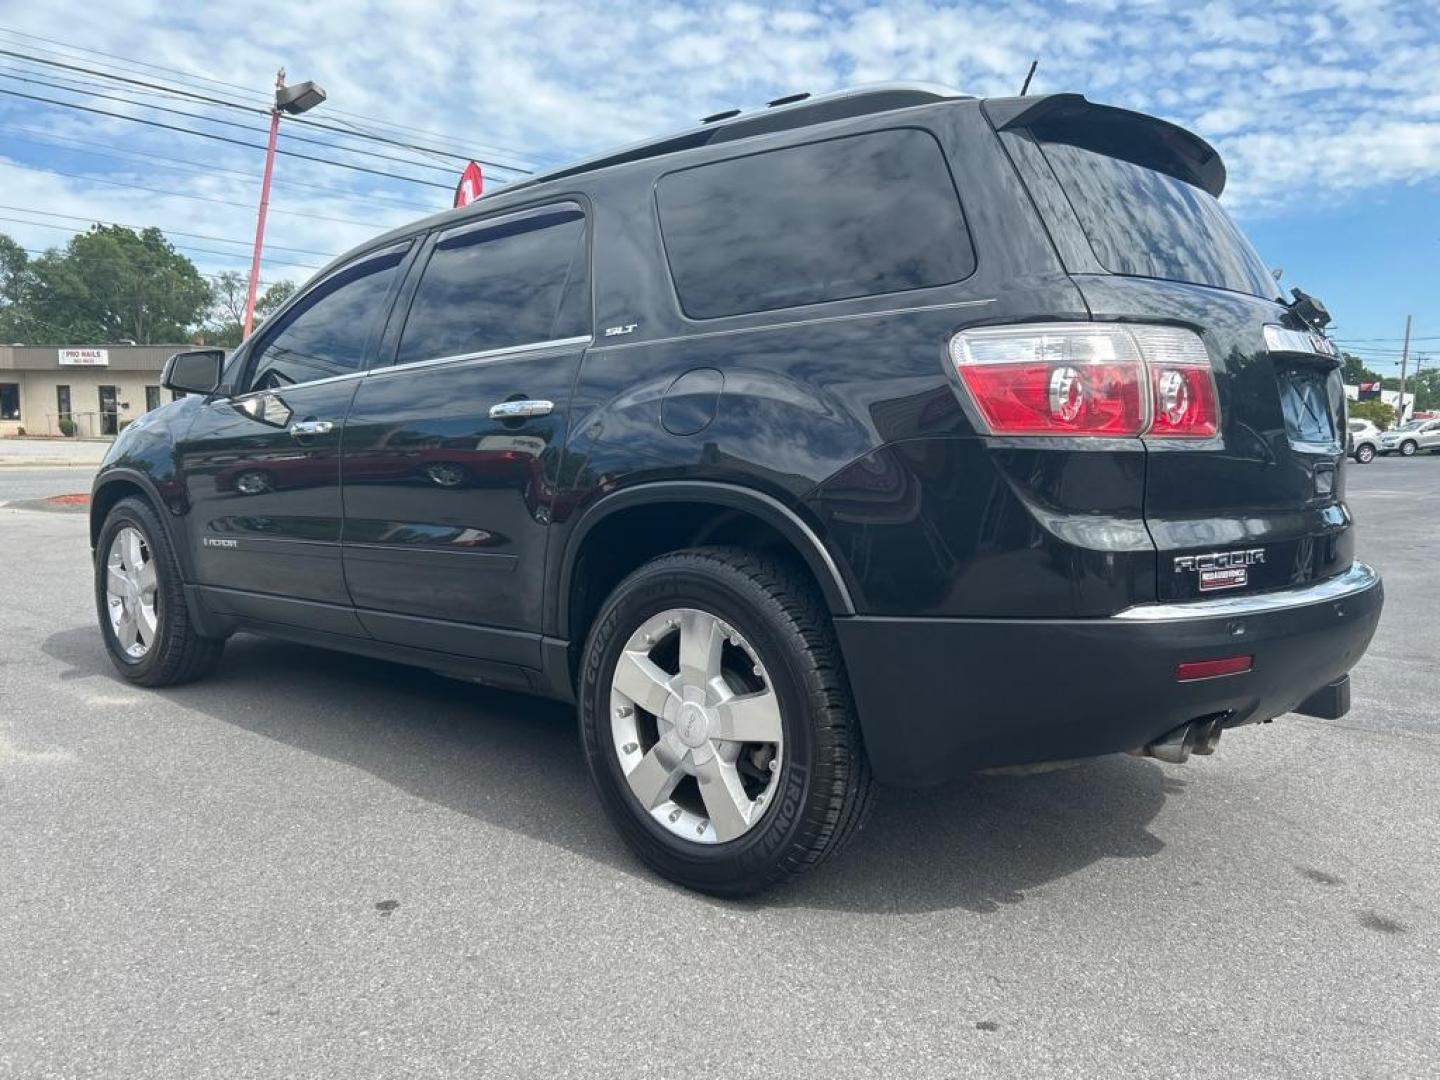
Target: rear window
[
  {"x": 1150, "y": 224},
  {"x": 856, "y": 216},
  {"x": 516, "y": 282}
]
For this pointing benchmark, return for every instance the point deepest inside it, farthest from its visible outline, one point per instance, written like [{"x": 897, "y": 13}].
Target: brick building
[{"x": 99, "y": 388}]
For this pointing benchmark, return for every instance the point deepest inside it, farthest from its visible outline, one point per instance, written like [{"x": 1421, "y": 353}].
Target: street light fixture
[{"x": 291, "y": 100}]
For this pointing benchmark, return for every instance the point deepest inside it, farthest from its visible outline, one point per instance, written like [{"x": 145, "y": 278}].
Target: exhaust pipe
[{"x": 1192, "y": 737}]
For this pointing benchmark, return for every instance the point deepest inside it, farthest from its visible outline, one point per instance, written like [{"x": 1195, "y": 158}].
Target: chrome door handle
[
  {"x": 511, "y": 410},
  {"x": 302, "y": 428}
]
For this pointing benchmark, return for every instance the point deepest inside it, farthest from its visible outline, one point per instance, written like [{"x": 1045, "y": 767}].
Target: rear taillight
[{"x": 1089, "y": 379}]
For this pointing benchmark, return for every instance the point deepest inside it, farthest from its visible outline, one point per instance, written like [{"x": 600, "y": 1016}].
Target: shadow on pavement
[{"x": 515, "y": 762}]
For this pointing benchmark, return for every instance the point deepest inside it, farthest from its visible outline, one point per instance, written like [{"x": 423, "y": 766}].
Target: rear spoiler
[{"x": 1119, "y": 133}]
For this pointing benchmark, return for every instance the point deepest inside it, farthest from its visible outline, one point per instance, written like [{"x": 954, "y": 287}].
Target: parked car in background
[
  {"x": 880, "y": 436},
  {"x": 1362, "y": 442},
  {"x": 1410, "y": 438}
]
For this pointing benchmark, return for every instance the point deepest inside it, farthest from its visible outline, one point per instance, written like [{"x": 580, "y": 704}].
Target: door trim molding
[{"x": 484, "y": 354}]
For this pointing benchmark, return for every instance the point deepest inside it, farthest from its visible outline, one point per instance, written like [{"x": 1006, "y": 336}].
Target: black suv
[{"x": 878, "y": 436}]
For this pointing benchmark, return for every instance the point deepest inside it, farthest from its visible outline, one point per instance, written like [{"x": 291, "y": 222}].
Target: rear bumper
[{"x": 940, "y": 697}]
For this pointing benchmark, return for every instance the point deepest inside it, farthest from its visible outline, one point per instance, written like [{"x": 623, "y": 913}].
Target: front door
[
  {"x": 262, "y": 466},
  {"x": 449, "y": 450}
]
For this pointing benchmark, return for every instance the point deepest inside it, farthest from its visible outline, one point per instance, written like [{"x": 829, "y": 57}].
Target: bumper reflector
[{"x": 1195, "y": 670}]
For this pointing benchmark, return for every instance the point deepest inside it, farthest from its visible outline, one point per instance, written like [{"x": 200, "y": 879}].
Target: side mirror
[{"x": 195, "y": 372}]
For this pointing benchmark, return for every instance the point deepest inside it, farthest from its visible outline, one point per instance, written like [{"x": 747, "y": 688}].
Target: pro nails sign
[{"x": 84, "y": 357}]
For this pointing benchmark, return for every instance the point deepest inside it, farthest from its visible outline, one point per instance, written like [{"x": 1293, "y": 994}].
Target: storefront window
[{"x": 9, "y": 401}]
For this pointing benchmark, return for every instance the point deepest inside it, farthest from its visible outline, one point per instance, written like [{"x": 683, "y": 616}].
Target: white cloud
[{"x": 1306, "y": 100}]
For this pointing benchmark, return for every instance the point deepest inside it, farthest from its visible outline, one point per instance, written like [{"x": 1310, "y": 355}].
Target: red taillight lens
[
  {"x": 1193, "y": 670},
  {"x": 1089, "y": 379},
  {"x": 1182, "y": 383},
  {"x": 1063, "y": 399},
  {"x": 1185, "y": 402}
]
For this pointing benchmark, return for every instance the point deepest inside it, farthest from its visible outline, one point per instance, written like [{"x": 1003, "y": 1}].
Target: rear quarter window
[
  {"x": 861, "y": 215},
  {"x": 1146, "y": 223}
]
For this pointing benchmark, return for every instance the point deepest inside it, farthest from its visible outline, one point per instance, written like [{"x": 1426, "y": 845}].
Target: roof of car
[
  {"x": 1186, "y": 155},
  {"x": 781, "y": 114}
]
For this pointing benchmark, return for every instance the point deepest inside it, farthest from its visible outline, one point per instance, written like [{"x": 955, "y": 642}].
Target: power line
[
  {"x": 98, "y": 149},
  {"x": 193, "y": 236},
  {"x": 243, "y": 257},
  {"x": 329, "y": 145},
  {"x": 199, "y": 198},
  {"x": 1418, "y": 337},
  {"x": 87, "y": 258},
  {"x": 308, "y": 122},
  {"x": 192, "y": 77},
  {"x": 223, "y": 138}
]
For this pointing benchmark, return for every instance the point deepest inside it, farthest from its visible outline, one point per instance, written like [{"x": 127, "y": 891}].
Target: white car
[
  {"x": 1363, "y": 442},
  {"x": 1411, "y": 437}
]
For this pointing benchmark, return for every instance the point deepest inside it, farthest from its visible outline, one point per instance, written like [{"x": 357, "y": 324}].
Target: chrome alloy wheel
[
  {"x": 130, "y": 592},
  {"x": 696, "y": 725}
]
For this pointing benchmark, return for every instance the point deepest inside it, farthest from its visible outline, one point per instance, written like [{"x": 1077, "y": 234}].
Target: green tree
[
  {"x": 1355, "y": 371},
  {"x": 15, "y": 279},
  {"x": 227, "y": 307},
  {"x": 1425, "y": 386},
  {"x": 1374, "y": 410},
  {"x": 114, "y": 284}
]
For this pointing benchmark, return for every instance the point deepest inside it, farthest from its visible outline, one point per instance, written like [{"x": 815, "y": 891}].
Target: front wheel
[
  {"x": 140, "y": 599},
  {"x": 1408, "y": 448},
  {"x": 1365, "y": 454},
  {"x": 717, "y": 721}
]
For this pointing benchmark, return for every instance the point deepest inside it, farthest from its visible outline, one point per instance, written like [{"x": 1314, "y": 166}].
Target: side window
[
  {"x": 855, "y": 216},
  {"x": 514, "y": 283},
  {"x": 327, "y": 331}
]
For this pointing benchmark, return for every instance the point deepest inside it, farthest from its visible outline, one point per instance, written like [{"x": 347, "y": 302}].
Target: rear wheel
[
  {"x": 1365, "y": 454},
  {"x": 141, "y": 602},
  {"x": 1408, "y": 448},
  {"x": 717, "y": 721}
]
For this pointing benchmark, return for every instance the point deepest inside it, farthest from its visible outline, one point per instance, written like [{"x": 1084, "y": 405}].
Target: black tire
[
  {"x": 824, "y": 790},
  {"x": 1365, "y": 454},
  {"x": 1408, "y": 448},
  {"x": 179, "y": 653}
]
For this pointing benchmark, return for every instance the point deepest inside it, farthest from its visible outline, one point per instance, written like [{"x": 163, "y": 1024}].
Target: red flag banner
[{"x": 472, "y": 183}]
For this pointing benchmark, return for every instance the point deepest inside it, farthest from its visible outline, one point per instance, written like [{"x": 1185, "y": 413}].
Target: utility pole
[
  {"x": 1404, "y": 356},
  {"x": 292, "y": 100},
  {"x": 264, "y": 205}
]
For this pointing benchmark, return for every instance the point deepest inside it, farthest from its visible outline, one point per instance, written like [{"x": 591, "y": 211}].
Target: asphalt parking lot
[{"x": 317, "y": 865}]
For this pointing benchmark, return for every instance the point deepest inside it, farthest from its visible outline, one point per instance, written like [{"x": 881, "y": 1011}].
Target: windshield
[{"x": 1147, "y": 223}]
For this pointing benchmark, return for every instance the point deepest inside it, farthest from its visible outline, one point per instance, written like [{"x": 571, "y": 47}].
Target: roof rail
[{"x": 782, "y": 114}]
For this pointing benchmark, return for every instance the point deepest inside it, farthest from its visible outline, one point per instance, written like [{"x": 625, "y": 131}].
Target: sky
[{"x": 1327, "y": 112}]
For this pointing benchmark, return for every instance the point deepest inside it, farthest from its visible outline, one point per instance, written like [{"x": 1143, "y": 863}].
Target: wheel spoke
[
  {"x": 145, "y": 577},
  {"x": 148, "y": 623},
  {"x": 724, "y": 797},
  {"x": 655, "y": 777},
  {"x": 700, "y": 643},
  {"x": 127, "y": 631},
  {"x": 643, "y": 682},
  {"x": 115, "y": 581},
  {"x": 751, "y": 718},
  {"x": 130, "y": 550}
]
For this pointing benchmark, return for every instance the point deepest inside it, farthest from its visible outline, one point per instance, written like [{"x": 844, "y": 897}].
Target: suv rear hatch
[{"x": 1132, "y": 205}]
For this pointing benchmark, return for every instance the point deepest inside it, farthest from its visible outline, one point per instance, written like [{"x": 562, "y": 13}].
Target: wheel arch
[
  {"x": 116, "y": 484},
  {"x": 694, "y": 513}
]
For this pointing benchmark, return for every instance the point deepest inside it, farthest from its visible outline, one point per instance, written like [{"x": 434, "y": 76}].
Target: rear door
[
  {"x": 450, "y": 449},
  {"x": 1130, "y": 202}
]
